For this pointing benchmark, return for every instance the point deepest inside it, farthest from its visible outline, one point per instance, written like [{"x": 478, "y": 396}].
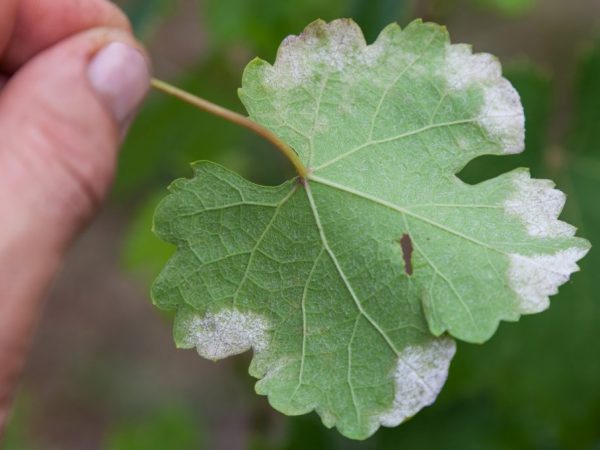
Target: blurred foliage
[
  {"x": 586, "y": 127},
  {"x": 262, "y": 33},
  {"x": 508, "y": 7},
  {"x": 173, "y": 428},
  {"x": 143, "y": 254},
  {"x": 260, "y": 25},
  {"x": 146, "y": 15},
  {"x": 373, "y": 16},
  {"x": 18, "y": 431}
]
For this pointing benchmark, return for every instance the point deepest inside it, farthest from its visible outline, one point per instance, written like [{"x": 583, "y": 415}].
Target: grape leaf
[{"x": 346, "y": 283}]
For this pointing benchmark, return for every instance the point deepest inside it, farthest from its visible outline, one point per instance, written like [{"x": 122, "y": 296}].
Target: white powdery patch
[
  {"x": 537, "y": 205},
  {"x": 226, "y": 333},
  {"x": 535, "y": 278},
  {"x": 322, "y": 46},
  {"x": 375, "y": 54},
  {"x": 420, "y": 374},
  {"x": 501, "y": 114}
]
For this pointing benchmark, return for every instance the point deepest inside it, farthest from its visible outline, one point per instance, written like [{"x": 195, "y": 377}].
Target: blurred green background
[{"x": 104, "y": 373}]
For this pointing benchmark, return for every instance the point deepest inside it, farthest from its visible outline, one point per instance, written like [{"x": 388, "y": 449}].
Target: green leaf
[
  {"x": 385, "y": 128},
  {"x": 344, "y": 283}
]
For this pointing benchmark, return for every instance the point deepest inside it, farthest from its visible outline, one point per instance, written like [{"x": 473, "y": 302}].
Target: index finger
[{"x": 38, "y": 24}]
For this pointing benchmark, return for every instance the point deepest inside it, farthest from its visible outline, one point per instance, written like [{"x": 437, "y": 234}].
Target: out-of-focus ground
[{"x": 104, "y": 356}]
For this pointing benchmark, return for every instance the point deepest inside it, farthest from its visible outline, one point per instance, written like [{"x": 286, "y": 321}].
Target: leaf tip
[
  {"x": 534, "y": 278},
  {"x": 537, "y": 205}
]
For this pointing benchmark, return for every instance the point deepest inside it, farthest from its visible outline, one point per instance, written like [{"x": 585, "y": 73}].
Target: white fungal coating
[
  {"x": 535, "y": 278},
  {"x": 226, "y": 333},
  {"x": 537, "y": 205},
  {"x": 501, "y": 114},
  {"x": 333, "y": 45},
  {"x": 419, "y": 377}
]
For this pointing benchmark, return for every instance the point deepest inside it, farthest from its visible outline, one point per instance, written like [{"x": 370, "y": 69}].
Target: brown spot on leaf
[{"x": 407, "y": 249}]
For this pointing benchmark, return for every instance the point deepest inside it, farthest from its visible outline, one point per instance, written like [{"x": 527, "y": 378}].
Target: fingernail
[{"x": 120, "y": 76}]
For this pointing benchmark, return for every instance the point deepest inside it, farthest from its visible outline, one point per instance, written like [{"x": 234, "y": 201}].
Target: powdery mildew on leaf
[
  {"x": 346, "y": 314},
  {"x": 225, "y": 333},
  {"x": 538, "y": 206},
  {"x": 420, "y": 375},
  {"x": 501, "y": 113},
  {"x": 535, "y": 277},
  {"x": 298, "y": 55}
]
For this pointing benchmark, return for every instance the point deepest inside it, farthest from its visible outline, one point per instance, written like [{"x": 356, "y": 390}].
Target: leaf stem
[{"x": 235, "y": 118}]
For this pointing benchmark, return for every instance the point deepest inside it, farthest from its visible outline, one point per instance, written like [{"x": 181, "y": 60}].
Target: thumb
[{"x": 61, "y": 121}]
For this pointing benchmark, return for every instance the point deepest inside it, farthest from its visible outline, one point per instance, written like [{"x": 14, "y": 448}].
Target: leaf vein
[
  {"x": 258, "y": 242},
  {"x": 340, "y": 271}
]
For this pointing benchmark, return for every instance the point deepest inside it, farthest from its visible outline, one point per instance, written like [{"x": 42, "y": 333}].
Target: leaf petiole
[{"x": 235, "y": 118}]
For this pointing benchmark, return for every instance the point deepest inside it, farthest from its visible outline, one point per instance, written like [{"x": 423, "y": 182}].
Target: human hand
[{"x": 71, "y": 79}]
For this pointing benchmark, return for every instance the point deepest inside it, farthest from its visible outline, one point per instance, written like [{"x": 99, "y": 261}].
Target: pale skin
[{"x": 61, "y": 123}]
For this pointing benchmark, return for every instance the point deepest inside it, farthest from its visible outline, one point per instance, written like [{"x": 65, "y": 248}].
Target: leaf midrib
[{"x": 348, "y": 286}]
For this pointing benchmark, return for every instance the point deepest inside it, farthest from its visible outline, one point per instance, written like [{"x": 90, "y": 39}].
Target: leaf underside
[{"x": 350, "y": 284}]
